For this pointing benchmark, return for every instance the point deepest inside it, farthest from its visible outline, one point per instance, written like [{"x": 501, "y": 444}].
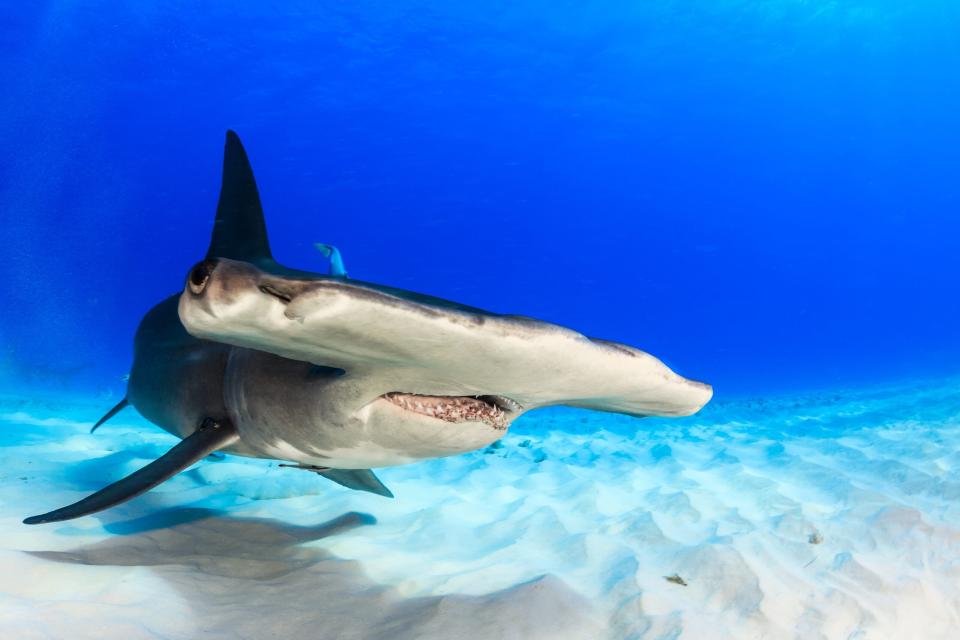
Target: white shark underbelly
[{"x": 292, "y": 410}]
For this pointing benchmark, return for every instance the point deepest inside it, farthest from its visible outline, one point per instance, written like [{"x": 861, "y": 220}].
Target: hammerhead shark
[{"x": 337, "y": 376}]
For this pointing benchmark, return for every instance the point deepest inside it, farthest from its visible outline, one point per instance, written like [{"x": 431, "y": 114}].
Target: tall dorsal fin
[{"x": 239, "y": 232}]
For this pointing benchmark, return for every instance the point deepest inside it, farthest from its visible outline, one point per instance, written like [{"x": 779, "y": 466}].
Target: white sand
[{"x": 566, "y": 531}]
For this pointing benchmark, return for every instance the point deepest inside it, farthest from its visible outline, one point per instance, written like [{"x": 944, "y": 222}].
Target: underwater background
[{"x": 763, "y": 194}]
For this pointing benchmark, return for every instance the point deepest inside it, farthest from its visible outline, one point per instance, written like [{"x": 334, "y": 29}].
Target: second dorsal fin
[{"x": 239, "y": 231}]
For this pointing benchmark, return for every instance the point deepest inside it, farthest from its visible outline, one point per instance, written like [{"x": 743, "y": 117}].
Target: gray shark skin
[
  {"x": 338, "y": 376},
  {"x": 416, "y": 378}
]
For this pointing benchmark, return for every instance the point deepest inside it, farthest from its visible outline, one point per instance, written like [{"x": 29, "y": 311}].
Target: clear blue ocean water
[{"x": 764, "y": 194}]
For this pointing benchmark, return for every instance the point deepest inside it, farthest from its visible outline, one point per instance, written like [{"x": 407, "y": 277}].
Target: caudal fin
[{"x": 117, "y": 409}]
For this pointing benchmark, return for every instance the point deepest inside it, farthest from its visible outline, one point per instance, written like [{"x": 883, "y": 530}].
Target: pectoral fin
[
  {"x": 210, "y": 436},
  {"x": 358, "y": 479}
]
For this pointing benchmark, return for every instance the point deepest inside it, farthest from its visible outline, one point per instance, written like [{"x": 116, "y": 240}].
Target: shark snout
[{"x": 200, "y": 276}]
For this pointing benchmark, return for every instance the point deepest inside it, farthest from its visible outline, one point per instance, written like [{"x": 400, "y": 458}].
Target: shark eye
[{"x": 199, "y": 275}]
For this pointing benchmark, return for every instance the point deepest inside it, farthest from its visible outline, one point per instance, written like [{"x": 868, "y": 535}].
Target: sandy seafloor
[{"x": 826, "y": 515}]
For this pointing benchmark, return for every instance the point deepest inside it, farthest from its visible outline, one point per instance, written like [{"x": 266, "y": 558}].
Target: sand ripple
[{"x": 823, "y": 516}]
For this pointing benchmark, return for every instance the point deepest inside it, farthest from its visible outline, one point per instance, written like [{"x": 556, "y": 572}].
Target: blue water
[{"x": 765, "y": 195}]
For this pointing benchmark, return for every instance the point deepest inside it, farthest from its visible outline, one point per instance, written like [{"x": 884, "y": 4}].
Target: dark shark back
[
  {"x": 239, "y": 231},
  {"x": 177, "y": 380}
]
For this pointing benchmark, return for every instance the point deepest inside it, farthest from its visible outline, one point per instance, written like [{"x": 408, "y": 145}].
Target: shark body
[{"x": 338, "y": 375}]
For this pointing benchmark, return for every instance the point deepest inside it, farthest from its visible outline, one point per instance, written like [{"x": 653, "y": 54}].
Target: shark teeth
[{"x": 491, "y": 410}]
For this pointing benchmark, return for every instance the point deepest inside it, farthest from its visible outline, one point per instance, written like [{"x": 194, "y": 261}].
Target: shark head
[
  {"x": 375, "y": 393},
  {"x": 417, "y": 376},
  {"x": 448, "y": 377}
]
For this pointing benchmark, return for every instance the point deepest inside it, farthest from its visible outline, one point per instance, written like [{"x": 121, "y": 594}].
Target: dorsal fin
[{"x": 239, "y": 232}]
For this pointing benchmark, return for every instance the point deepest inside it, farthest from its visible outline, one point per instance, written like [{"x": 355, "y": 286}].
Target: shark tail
[{"x": 109, "y": 414}]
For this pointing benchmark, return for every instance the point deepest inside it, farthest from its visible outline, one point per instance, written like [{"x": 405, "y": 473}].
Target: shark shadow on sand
[{"x": 215, "y": 564}]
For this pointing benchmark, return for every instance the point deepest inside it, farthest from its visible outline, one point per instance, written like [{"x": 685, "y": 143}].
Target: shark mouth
[{"x": 494, "y": 411}]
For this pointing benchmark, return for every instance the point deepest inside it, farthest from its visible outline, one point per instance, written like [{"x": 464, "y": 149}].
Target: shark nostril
[
  {"x": 282, "y": 296},
  {"x": 199, "y": 275}
]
